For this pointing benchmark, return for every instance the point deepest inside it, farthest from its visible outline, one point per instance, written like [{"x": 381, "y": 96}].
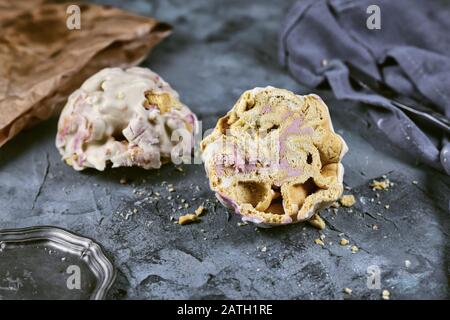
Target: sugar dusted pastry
[
  {"x": 275, "y": 158},
  {"x": 122, "y": 117}
]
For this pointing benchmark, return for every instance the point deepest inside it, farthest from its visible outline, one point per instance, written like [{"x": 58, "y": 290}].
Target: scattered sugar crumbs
[
  {"x": 128, "y": 213},
  {"x": 384, "y": 184}
]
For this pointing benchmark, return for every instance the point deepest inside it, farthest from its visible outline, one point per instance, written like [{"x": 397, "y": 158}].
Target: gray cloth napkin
[{"x": 411, "y": 53}]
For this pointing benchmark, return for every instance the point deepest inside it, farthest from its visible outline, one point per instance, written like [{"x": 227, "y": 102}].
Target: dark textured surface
[{"x": 218, "y": 50}]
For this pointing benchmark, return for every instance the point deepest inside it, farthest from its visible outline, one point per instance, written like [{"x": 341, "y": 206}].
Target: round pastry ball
[
  {"x": 274, "y": 158},
  {"x": 123, "y": 118}
]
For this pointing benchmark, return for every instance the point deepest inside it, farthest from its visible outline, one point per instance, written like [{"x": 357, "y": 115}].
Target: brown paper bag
[{"x": 42, "y": 61}]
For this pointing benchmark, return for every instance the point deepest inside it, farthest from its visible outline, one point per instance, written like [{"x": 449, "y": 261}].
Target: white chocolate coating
[
  {"x": 122, "y": 117},
  {"x": 275, "y": 158}
]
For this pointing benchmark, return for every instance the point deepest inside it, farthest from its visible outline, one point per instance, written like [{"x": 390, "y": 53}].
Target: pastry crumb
[
  {"x": 381, "y": 184},
  {"x": 187, "y": 218},
  {"x": 344, "y": 242},
  {"x": 354, "y": 249},
  {"x": 386, "y": 295},
  {"x": 199, "y": 211},
  {"x": 348, "y": 200},
  {"x": 69, "y": 161},
  {"x": 317, "y": 222},
  {"x": 347, "y": 290},
  {"x": 319, "y": 242}
]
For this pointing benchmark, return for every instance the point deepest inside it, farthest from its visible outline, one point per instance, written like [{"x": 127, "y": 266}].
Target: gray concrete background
[{"x": 219, "y": 49}]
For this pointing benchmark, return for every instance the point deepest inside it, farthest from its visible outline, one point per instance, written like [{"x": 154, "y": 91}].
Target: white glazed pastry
[
  {"x": 123, "y": 118},
  {"x": 275, "y": 158}
]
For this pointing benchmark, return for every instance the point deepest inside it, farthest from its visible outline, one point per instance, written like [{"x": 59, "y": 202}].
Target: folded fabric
[
  {"x": 410, "y": 52},
  {"x": 42, "y": 60}
]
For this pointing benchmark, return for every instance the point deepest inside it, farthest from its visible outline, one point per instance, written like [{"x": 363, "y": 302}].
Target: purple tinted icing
[
  {"x": 293, "y": 128},
  {"x": 235, "y": 160},
  {"x": 228, "y": 202},
  {"x": 307, "y": 131},
  {"x": 219, "y": 169},
  {"x": 240, "y": 165},
  {"x": 254, "y": 220},
  {"x": 249, "y": 168},
  {"x": 81, "y": 159},
  {"x": 240, "y": 168},
  {"x": 266, "y": 109},
  {"x": 190, "y": 119}
]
